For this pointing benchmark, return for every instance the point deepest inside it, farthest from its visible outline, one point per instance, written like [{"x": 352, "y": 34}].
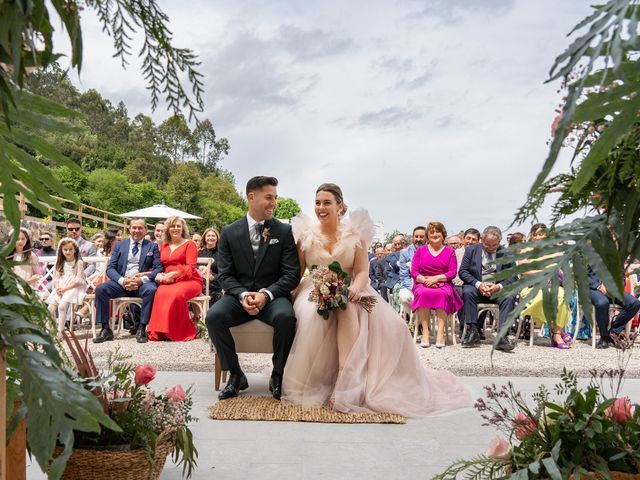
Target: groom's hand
[{"x": 249, "y": 303}]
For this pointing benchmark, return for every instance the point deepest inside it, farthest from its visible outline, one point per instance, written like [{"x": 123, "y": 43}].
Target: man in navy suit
[
  {"x": 600, "y": 300},
  {"x": 476, "y": 271},
  {"x": 132, "y": 268}
]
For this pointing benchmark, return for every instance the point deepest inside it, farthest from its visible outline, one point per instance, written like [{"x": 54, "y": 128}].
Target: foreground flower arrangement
[
  {"x": 146, "y": 419},
  {"x": 578, "y": 433}
]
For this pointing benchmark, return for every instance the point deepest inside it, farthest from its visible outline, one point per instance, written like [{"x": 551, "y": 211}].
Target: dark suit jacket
[
  {"x": 391, "y": 269},
  {"x": 275, "y": 268},
  {"x": 149, "y": 259},
  {"x": 594, "y": 281},
  {"x": 470, "y": 270}
]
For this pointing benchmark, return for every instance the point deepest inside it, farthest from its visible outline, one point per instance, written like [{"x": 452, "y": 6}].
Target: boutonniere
[{"x": 265, "y": 234}]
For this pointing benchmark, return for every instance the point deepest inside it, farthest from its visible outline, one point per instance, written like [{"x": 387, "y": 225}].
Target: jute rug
[{"x": 246, "y": 407}]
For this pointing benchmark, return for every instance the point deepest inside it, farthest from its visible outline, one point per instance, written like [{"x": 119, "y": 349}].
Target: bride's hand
[{"x": 354, "y": 294}]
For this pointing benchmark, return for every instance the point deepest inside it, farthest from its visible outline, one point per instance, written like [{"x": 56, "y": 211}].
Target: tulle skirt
[{"x": 382, "y": 372}]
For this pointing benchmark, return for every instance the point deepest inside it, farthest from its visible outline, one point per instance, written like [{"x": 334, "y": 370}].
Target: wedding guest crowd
[{"x": 433, "y": 273}]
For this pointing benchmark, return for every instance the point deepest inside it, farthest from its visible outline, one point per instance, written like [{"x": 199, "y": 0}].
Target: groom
[{"x": 258, "y": 267}]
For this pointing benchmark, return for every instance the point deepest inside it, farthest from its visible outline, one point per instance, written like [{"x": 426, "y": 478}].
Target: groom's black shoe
[
  {"x": 275, "y": 387},
  {"x": 235, "y": 384}
]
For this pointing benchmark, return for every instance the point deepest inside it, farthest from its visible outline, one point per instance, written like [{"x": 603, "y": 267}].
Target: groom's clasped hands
[{"x": 254, "y": 302}]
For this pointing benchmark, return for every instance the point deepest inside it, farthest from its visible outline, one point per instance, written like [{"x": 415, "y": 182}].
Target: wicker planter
[
  {"x": 115, "y": 465},
  {"x": 614, "y": 475}
]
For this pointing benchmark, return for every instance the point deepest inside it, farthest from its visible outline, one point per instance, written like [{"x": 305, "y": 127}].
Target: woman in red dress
[{"x": 179, "y": 282}]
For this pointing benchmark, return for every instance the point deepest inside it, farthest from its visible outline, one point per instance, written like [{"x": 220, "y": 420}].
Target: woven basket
[
  {"x": 115, "y": 465},
  {"x": 614, "y": 475}
]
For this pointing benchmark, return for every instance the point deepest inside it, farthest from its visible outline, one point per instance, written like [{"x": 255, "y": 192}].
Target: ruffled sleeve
[
  {"x": 303, "y": 232},
  {"x": 360, "y": 225}
]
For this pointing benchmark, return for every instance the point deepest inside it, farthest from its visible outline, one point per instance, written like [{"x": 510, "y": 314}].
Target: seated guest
[
  {"x": 24, "y": 253},
  {"x": 48, "y": 246},
  {"x": 178, "y": 283},
  {"x": 209, "y": 249},
  {"x": 100, "y": 275},
  {"x": 534, "y": 308},
  {"x": 600, "y": 299},
  {"x": 406, "y": 255},
  {"x": 158, "y": 233},
  {"x": 391, "y": 269},
  {"x": 48, "y": 249},
  {"x": 132, "y": 268},
  {"x": 195, "y": 238},
  {"x": 476, "y": 271},
  {"x": 518, "y": 237},
  {"x": 433, "y": 267},
  {"x": 471, "y": 237},
  {"x": 454, "y": 242},
  {"x": 375, "y": 272},
  {"x": 87, "y": 249},
  {"x": 98, "y": 241}
]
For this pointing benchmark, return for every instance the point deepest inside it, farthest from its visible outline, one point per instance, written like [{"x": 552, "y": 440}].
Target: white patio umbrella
[{"x": 159, "y": 211}]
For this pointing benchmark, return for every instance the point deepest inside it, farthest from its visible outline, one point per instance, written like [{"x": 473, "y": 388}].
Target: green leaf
[{"x": 552, "y": 468}]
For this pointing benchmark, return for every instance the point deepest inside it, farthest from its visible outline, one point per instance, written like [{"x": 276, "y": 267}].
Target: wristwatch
[{"x": 266, "y": 295}]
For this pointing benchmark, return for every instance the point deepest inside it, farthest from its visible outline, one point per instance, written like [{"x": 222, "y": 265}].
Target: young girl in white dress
[{"x": 69, "y": 283}]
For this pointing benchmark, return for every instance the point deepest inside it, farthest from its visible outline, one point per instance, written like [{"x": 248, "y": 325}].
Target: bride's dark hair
[{"x": 336, "y": 191}]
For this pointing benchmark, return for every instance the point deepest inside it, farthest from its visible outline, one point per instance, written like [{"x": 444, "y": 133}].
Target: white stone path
[{"x": 238, "y": 450}]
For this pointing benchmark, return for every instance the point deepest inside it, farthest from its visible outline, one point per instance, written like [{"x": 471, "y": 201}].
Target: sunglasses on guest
[
  {"x": 74, "y": 229},
  {"x": 45, "y": 239}
]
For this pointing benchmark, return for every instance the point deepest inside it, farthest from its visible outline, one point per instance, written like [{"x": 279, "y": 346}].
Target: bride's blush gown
[{"x": 382, "y": 372}]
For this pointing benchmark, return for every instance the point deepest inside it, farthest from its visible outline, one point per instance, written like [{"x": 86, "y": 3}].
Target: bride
[{"x": 356, "y": 361}]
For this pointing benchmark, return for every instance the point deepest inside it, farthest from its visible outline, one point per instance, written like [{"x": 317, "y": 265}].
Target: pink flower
[
  {"x": 177, "y": 394},
  {"x": 524, "y": 426},
  {"x": 144, "y": 374},
  {"x": 499, "y": 449},
  {"x": 556, "y": 123},
  {"x": 620, "y": 411}
]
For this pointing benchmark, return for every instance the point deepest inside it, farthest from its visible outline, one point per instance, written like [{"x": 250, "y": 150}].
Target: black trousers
[
  {"x": 601, "y": 303},
  {"x": 228, "y": 312},
  {"x": 471, "y": 297}
]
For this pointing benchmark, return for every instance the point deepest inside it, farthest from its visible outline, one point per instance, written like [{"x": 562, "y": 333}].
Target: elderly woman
[
  {"x": 535, "y": 309},
  {"x": 179, "y": 282},
  {"x": 433, "y": 268}
]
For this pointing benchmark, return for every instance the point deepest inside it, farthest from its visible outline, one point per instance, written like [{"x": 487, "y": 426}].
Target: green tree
[
  {"x": 73, "y": 179},
  {"x": 220, "y": 202},
  {"x": 176, "y": 140},
  {"x": 287, "y": 208},
  {"x": 183, "y": 188},
  {"x": 210, "y": 148}
]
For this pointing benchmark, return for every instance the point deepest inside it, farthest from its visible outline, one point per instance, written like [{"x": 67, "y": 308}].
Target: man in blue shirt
[{"x": 404, "y": 264}]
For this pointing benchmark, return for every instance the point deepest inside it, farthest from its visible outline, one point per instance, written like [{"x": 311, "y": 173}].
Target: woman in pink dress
[
  {"x": 179, "y": 282},
  {"x": 356, "y": 361},
  {"x": 433, "y": 267}
]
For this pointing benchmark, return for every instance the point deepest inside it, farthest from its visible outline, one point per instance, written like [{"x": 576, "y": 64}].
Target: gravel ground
[{"x": 537, "y": 361}]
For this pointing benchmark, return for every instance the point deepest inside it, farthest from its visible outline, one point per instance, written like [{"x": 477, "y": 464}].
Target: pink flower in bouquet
[
  {"x": 499, "y": 449},
  {"x": 144, "y": 374},
  {"x": 524, "y": 426},
  {"x": 620, "y": 411},
  {"x": 177, "y": 393}
]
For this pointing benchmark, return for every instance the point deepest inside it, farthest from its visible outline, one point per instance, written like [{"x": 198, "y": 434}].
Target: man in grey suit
[
  {"x": 477, "y": 270},
  {"x": 258, "y": 267}
]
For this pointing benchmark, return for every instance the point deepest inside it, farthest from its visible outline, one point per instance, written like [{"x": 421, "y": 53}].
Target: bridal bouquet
[
  {"x": 580, "y": 433},
  {"x": 331, "y": 290}
]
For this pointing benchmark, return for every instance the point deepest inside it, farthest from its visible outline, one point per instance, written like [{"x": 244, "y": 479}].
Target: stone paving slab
[{"x": 238, "y": 450}]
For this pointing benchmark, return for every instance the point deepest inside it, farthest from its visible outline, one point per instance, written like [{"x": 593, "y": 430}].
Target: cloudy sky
[{"x": 420, "y": 110}]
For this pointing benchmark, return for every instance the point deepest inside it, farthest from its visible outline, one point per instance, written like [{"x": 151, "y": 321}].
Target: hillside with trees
[{"x": 129, "y": 163}]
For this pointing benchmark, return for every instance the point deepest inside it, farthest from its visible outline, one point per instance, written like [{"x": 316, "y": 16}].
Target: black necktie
[{"x": 135, "y": 249}]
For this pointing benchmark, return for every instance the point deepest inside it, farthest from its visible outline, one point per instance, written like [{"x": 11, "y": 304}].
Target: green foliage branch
[{"x": 600, "y": 122}]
